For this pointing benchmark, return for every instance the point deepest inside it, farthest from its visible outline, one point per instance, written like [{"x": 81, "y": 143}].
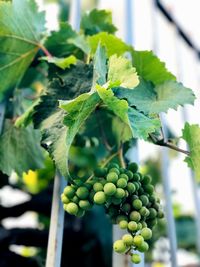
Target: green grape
[
  {"x": 136, "y": 185},
  {"x": 133, "y": 167},
  {"x": 135, "y": 216},
  {"x": 140, "y": 191},
  {"x": 120, "y": 193},
  {"x": 132, "y": 226},
  {"x": 130, "y": 174},
  {"x": 124, "y": 176},
  {"x": 123, "y": 224},
  {"x": 160, "y": 214},
  {"x": 84, "y": 204},
  {"x": 149, "y": 188},
  {"x": 134, "y": 197},
  {"x": 72, "y": 208},
  {"x": 139, "y": 226},
  {"x": 143, "y": 247},
  {"x": 109, "y": 199},
  {"x": 69, "y": 191},
  {"x": 91, "y": 195},
  {"x": 99, "y": 198},
  {"x": 128, "y": 239},
  {"x": 146, "y": 233},
  {"x": 116, "y": 201},
  {"x": 152, "y": 199},
  {"x": 135, "y": 258},
  {"x": 151, "y": 223},
  {"x": 64, "y": 199},
  {"x": 144, "y": 212},
  {"x": 144, "y": 224},
  {"x": 121, "y": 218},
  {"x": 126, "y": 207},
  {"x": 122, "y": 170},
  {"x": 119, "y": 246},
  {"x": 112, "y": 210},
  {"x": 138, "y": 240},
  {"x": 82, "y": 192},
  {"x": 131, "y": 188},
  {"x": 153, "y": 213},
  {"x": 75, "y": 199},
  {"x": 137, "y": 204},
  {"x": 113, "y": 165},
  {"x": 136, "y": 177},
  {"x": 146, "y": 179},
  {"x": 141, "y": 176},
  {"x": 122, "y": 183},
  {"x": 109, "y": 189},
  {"x": 80, "y": 213},
  {"x": 115, "y": 170},
  {"x": 144, "y": 200},
  {"x": 97, "y": 187},
  {"x": 112, "y": 177},
  {"x": 103, "y": 181},
  {"x": 100, "y": 172}
]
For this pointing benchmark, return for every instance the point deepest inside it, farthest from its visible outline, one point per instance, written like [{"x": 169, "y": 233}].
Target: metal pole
[
  {"x": 2, "y": 113},
  {"x": 54, "y": 249},
  {"x": 171, "y": 229}
]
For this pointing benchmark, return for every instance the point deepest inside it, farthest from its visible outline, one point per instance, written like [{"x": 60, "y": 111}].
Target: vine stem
[
  {"x": 120, "y": 156},
  {"x": 110, "y": 158},
  {"x": 46, "y": 52}
]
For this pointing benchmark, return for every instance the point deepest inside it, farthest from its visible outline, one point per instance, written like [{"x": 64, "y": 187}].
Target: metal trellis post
[
  {"x": 54, "y": 249},
  {"x": 2, "y": 113}
]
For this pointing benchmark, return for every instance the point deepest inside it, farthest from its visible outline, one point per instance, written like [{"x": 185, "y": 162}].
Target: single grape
[
  {"x": 99, "y": 198},
  {"x": 143, "y": 247},
  {"x": 144, "y": 200},
  {"x": 130, "y": 174},
  {"x": 121, "y": 218},
  {"x": 133, "y": 167},
  {"x": 128, "y": 239},
  {"x": 121, "y": 183},
  {"x": 69, "y": 191},
  {"x": 116, "y": 201},
  {"x": 136, "y": 185},
  {"x": 100, "y": 172},
  {"x": 120, "y": 193},
  {"x": 72, "y": 208},
  {"x": 137, "y": 204},
  {"x": 138, "y": 240},
  {"x": 146, "y": 233},
  {"x": 115, "y": 170},
  {"x": 144, "y": 224},
  {"x": 64, "y": 199},
  {"x": 136, "y": 177},
  {"x": 149, "y": 189},
  {"x": 119, "y": 246},
  {"x": 136, "y": 258},
  {"x": 80, "y": 213},
  {"x": 82, "y": 192},
  {"x": 135, "y": 216},
  {"x": 132, "y": 226},
  {"x": 113, "y": 165},
  {"x": 123, "y": 224},
  {"x": 103, "y": 181},
  {"x": 131, "y": 188},
  {"x": 153, "y": 213},
  {"x": 144, "y": 212},
  {"x": 112, "y": 177},
  {"x": 160, "y": 214},
  {"x": 124, "y": 176},
  {"x": 85, "y": 204},
  {"x": 146, "y": 179},
  {"x": 139, "y": 226},
  {"x": 97, "y": 187},
  {"x": 109, "y": 189},
  {"x": 75, "y": 199},
  {"x": 126, "y": 207}
]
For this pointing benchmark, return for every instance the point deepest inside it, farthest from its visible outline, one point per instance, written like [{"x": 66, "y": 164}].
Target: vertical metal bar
[
  {"x": 54, "y": 249},
  {"x": 2, "y": 113},
  {"x": 171, "y": 229}
]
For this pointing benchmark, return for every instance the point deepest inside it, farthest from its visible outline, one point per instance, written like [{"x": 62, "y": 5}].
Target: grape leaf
[
  {"x": 120, "y": 71},
  {"x": 78, "y": 110},
  {"x": 97, "y": 21},
  {"x": 191, "y": 134},
  {"x": 150, "y": 68},
  {"x": 118, "y": 107},
  {"x": 150, "y": 99},
  {"x": 100, "y": 67},
  {"x": 80, "y": 42},
  {"x": 141, "y": 124},
  {"x": 20, "y": 149},
  {"x": 112, "y": 44},
  {"x": 62, "y": 63},
  {"x": 21, "y": 30},
  {"x": 49, "y": 118}
]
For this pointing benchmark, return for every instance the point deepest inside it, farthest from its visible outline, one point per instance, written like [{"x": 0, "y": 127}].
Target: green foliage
[
  {"x": 160, "y": 98},
  {"x": 20, "y": 149},
  {"x": 97, "y": 21},
  {"x": 191, "y": 134},
  {"x": 21, "y": 31},
  {"x": 62, "y": 63}
]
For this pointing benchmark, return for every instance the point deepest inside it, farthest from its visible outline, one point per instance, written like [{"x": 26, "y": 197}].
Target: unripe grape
[
  {"x": 136, "y": 185},
  {"x": 135, "y": 258},
  {"x": 85, "y": 204},
  {"x": 121, "y": 218},
  {"x": 115, "y": 170},
  {"x": 126, "y": 207},
  {"x": 135, "y": 216},
  {"x": 153, "y": 213},
  {"x": 109, "y": 199},
  {"x": 143, "y": 247},
  {"x": 128, "y": 239},
  {"x": 75, "y": 199},
  {"x": 99, "y": 198},
  {"x": 120, "y": 193},
  {"x": 139, "y": 226},
  {"x": 137, "y": 204},
  {"x": 149, "y": 189},
  {"x": 144, "y": 224},
  {"x": 134, "y": 197},
  {"x": 88, "y": 186},
  {"x": 136, "y": 177},
  {"x": 146, "y": 233},
  {"x": 122, "y": 170},
  {"x": 151, "y": 223},
  {"x": 103, "y": 181},
  {"x": 130, "y": 174},
  {"x": 82, "y": 192},
  {"x": 72, "y": 208},
  {"x": 97, "y": 187},
  {"x": 144, "y": 200},
  {"x": 116, "y": 201},
  {"x": 64, "y": 199},
  {"x": 124, "y": 176},
  {"x": 100, "y": 172},
  {"x": 69, "y": 191},
  {"x": 113, "y": 165},
  {"x": 109, "y": 189},
  {"x": 152, "y": 199},
  {"x": 80, "y": 213},
  {"x": 133, "y": 167},
  {"x": 138, "y": 240},
  {"x": 160, "y": 214},
  {"x": 131, "y": 188},
  {"x": 144, "y": 212},
  {"x": 121, "y": 183},
  {"x": 123, "y": 224},
  {"x": 132, "y": 226},
  {"x": 140, "y": 191},
  {"x": 112, "y": 177},
  {"x": 146, "y": 179},
  {"x": 119, "y": 246}
]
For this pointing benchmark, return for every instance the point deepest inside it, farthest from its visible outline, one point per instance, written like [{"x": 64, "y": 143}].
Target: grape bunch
[{"x": 129, "y": 201}]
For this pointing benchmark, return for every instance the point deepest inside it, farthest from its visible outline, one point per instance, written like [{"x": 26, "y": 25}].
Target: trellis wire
[
  {"x": 171, "y": 229},
  {"x": 54, "y": 248}
]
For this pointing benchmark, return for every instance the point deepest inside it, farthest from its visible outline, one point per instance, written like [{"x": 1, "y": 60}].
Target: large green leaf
[
  {"x": 191, "y": 134},
  {"x": 121, "y": 71},
  {"x": 62, "y": 63},
  {"x": 150, "y": 68},
  {"x": 150, "y": 99},
  {"x": 49, "y": 118},
  {"x": 20, "y": 149},
  {"x": 113, "y": 44},
  {"x": 21, "y": 30},
  {"x": 142, "y": 125},
  {"x": 100, "y": 67},
  {"x": 97, "y": 21}
]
